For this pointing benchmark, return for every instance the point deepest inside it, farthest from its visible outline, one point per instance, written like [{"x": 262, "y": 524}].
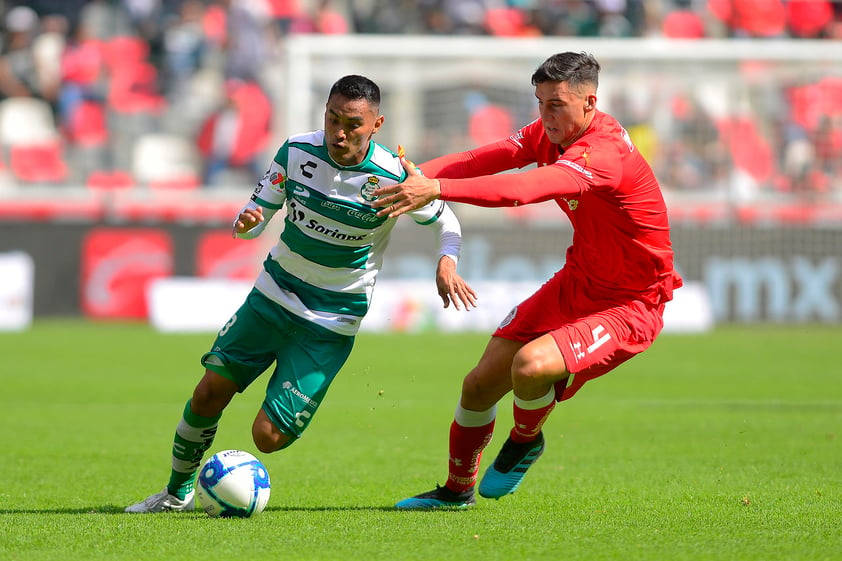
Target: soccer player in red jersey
[{"x": 603, "y": 307}]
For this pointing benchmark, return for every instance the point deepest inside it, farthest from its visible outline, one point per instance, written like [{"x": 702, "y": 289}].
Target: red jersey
[{"x": 621, "y": 245}]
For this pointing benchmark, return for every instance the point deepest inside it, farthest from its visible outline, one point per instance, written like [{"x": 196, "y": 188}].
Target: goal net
[{"x": 745, "y": 137}]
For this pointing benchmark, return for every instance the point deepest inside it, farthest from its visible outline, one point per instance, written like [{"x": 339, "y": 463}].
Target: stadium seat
[
  {"x": 38, "y": 163},
  {"x": 133, "y": 89},
  {"x": 683, "y": 24},
  {"x": 163, "y": 160},
  {"x": 808, "y": 18},
  {"x": 26, "y": 120},
  {"x": 748, "y": 148},
  {"x": 87, "y": 125},
  {"x": 124, "y": 50}
]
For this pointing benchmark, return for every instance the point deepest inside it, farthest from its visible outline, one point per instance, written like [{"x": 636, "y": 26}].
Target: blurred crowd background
[{"x": 101, "y": 92}]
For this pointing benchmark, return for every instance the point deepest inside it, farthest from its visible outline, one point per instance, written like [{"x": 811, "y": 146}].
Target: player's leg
[
  {"x": 197, "y": 429},
  {"x": 238, "y": 357},
  {"x": 471, "y": 429},
  {"x": 307, "y": 361},
  {"x": 194, "y": 435},
  {"x": 266, "y": 435},
  {"x": 559, "y": 363},
  {"x": 533, "y": 369},
  {"x": 536, "y": 368}
]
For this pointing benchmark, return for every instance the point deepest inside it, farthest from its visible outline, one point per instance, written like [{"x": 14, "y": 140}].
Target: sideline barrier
[
  {"x": 190, "y": 304},
  {"x": 17, "y": 282}
]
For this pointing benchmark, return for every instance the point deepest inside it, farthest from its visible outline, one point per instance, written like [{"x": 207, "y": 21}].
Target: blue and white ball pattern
[{"x": 233, "y": 483}]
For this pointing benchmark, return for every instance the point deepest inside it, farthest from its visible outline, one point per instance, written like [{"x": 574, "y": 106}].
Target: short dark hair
[
  {"x": 354, "y": 86},
  {"x": 574, "y": 68}
]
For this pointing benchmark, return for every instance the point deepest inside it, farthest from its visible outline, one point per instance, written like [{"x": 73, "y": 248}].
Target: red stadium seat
[
  {"x": 134, "y": 89},
  {"x": 124, "y": 50},
  {"x": 38, "y": 163},
  {"x": 87, "y": 125}
]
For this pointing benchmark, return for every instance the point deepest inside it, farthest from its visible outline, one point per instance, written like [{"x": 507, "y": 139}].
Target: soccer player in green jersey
[{"x": 315, "y": 287}]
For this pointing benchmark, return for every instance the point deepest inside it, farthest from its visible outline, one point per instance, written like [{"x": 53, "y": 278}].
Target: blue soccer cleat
[
  {"x": 439, "y": 498},
  {"x": 511, "y": 464}
]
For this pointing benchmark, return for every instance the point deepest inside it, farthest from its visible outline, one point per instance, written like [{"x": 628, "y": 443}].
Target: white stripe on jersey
[{"x": 337, "y": 240}]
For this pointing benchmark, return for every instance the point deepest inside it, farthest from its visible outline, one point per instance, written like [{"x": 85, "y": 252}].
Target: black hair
[
  {"x": 574, "y": 68},
  {"x": 354, "y": 86}
]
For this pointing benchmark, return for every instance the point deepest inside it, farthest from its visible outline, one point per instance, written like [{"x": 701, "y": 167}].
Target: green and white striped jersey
[{"x": 325, "y": 264}]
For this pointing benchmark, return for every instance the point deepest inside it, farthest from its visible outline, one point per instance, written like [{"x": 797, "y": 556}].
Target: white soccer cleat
[{"x": 163, "y": 502}]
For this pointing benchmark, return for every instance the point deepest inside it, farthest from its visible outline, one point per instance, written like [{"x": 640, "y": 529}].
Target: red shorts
[{"x": 594, "y": 336}]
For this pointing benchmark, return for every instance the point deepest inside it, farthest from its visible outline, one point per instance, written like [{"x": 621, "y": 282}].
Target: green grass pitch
[{"x": 721, "y": 446}]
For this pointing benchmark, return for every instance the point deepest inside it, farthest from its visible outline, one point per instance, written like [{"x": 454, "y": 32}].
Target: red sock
[
  {"x": 466, "y": 446},
  {"x": 528, "y": 422}
]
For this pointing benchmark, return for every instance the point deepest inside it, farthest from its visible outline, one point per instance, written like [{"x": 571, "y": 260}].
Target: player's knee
[
  {"x": 532, "y": 363},
  {"x": 267, "y": 437}
]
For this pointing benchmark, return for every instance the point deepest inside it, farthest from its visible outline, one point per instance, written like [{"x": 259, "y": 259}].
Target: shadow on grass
[{"x": 113, "y": 509}]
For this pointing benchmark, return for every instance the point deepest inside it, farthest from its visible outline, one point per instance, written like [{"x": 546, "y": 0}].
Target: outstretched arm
[
  {"x": 502, "y": 190},
  {"x": 415, "y": 192}
]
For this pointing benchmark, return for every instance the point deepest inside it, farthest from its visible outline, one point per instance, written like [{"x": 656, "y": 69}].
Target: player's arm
[
  {"x": 450, "y": 285},
  {"x": 485, "y": 160},
  {"x": 267, "y": 198},
  {"x": 250, "y": 222},
  {"x": 513, "y": 189}
]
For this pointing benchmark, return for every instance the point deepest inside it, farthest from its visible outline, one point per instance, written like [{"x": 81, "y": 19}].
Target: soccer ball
[{"x": 233, "y": 483}]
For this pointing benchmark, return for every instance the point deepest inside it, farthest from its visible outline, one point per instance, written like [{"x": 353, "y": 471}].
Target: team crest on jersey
[
  {"x": 367, "y": 191},
  {"x": 572, "y": 204}
]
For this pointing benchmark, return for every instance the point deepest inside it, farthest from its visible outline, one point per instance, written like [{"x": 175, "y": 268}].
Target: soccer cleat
[
  {"x": 504, "y": 476},
  {"x": 440, "y": 497},
  {"x": 163, "y": 502}
]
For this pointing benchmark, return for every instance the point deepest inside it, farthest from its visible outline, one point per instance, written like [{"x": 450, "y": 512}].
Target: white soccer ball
[{"x": 233, "y": 483}]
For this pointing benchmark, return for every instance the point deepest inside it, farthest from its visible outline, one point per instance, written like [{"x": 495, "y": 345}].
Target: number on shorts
[{"x": 228, "y": 325}]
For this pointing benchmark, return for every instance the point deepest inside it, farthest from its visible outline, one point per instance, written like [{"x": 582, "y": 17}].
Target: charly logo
[{"x": 367, "y": 191}]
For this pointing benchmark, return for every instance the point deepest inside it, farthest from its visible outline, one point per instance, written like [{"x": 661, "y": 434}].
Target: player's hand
[
  {"x": 415, "y": 192},
  {"x": 452, "y": 287},
  {"x": 247, "y": 219}
]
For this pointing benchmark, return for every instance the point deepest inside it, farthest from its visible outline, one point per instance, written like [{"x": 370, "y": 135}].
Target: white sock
[
  {"x": 537, "y": 403},
  {"x": 468, "y": 418}
]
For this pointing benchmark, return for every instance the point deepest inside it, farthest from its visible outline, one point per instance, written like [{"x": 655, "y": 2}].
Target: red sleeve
[
  {"x": 485, "y": 160},
  {"x": 474, "y": 176},
  {"x": 519, "y": 150},
  {"x": 513, "y": 189}
]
